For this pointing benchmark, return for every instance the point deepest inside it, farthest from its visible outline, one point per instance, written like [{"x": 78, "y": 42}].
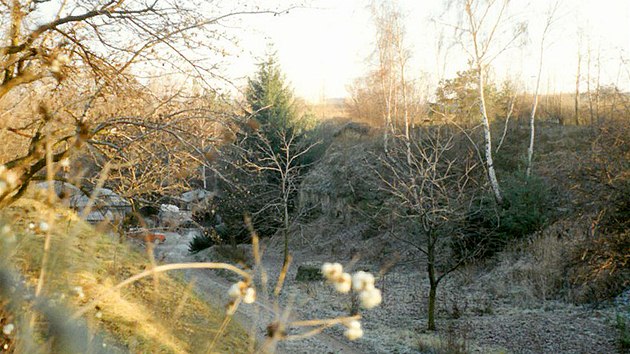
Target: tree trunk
[
  {"x": 494, "y": 183},
  {"x": 433, "y": 284},
  {"x": 406, "y": 109},
  {"x": 577, "y": 89},
  {"x": 286, "y": 233},
  {"x": 532, "y": 117},
  {"x": 507, "y": 122},
  {"x": 591, "y": 109}
]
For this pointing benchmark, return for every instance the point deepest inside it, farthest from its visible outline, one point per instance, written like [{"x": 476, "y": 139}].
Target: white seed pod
[
  {"x": 362, "y": 281},
  {"x": 250, "y": 296},
  {"x": 353, "y": 333},
  {"x": 332, "y": 271},
  {"x": 370, "y": 298},
  {"x": 343, "y": 283},
  {"x": 235, "y": 291},
  {"x": 354, "y": 324}
]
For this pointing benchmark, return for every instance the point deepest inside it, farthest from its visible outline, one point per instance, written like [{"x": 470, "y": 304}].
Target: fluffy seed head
[
  {"x": 370, "y": 298},
  {"x": 237, "y": 290},
  {"x": 343, "y": 283},
  {"x": 362, "y": 281},
  {"x": 79, "y": 292},
  {"x": 55, "y": 66},
  {"x": 250, "y": 296},
  {"x": 332, "y": 271},
  {"x": 353, "y": 330},
  {"x": 354, "y": 324},
  {"x": 12, "y": 178},
  {"x": 63, "y": 59}
]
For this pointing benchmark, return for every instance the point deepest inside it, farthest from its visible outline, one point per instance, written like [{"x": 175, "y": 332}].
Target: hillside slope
[{"x": 152, "y": 315}]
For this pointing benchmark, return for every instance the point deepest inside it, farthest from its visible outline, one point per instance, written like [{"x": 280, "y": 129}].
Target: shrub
[
  {"x": 202, "y": 241},
  {"x": 526, "y": 209},
  {"x": 598, "y": 269},
  {"x": 624, "y": 332},
  {"x": 451, "y": 341}
]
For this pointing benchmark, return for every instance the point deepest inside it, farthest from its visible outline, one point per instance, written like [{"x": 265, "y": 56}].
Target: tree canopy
[{"x": 270, "y": 98}]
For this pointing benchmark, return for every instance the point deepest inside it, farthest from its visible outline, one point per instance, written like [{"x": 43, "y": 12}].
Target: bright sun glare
[{"x": 324, "y": 47}]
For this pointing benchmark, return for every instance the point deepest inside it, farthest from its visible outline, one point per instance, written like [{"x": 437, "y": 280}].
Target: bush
[
  {"x": 624, "y": 332},
  {"x": 598, "y": 268},
  {"x": 202, "y": 241},
  {"x": 526, "y": 209}
]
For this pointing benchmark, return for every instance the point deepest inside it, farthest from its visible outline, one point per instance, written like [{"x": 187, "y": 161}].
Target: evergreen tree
[{"x": 271, "y": 99}]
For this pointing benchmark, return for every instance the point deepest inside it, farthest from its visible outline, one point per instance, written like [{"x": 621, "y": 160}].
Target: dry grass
[{"x": 154, "y": 315}]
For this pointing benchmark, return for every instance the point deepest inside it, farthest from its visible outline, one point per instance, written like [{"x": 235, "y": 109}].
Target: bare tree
[
  {"x": 70, "y": 63},
  {"x": 532, "y": 116},
  {"x": 431, "y": 195},
  {"x": 284, "y": 164}
]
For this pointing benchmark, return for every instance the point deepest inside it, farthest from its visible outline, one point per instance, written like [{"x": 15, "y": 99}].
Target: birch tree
[
  {"x": 484, "y": 30},
  {"x": 578, "y": 79},
  {"x": 532, "y": 116},
  {"x": 385, "y": 18}
]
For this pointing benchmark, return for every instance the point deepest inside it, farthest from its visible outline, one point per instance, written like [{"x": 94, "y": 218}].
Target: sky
[{"x": 324, "y": 47}]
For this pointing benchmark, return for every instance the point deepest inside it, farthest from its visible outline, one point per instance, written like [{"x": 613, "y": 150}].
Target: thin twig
[{"x": 158, "y": 269}]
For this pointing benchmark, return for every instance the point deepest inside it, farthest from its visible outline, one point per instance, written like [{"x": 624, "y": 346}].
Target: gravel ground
[{"x": 397, "y": 326}]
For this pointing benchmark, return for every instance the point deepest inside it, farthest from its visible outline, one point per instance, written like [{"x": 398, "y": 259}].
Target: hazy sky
[{"x": 323, "y": 48}]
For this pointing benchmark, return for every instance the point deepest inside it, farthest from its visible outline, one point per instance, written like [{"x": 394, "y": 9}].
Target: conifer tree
[{"x": 271, "y": 99}]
